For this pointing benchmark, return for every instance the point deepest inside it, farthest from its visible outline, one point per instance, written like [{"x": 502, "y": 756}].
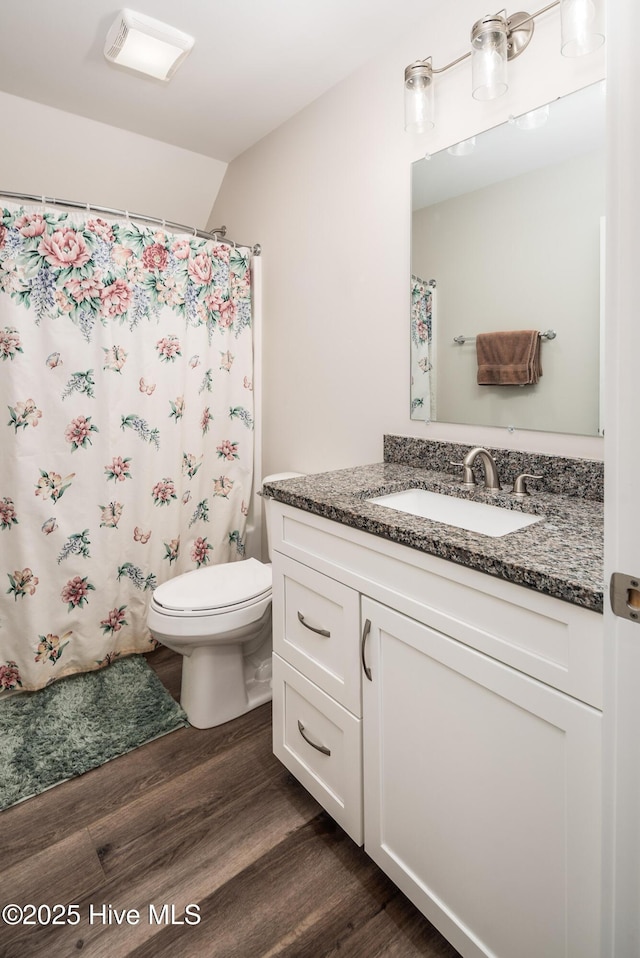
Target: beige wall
[
  {"x": 51, "y": 152},
  {"x": 328, "y": 197}
]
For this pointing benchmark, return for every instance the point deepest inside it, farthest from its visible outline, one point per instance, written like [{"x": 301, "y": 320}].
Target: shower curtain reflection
[
  {"x": 126, "y": 368},
  {"x": 422, "y": 340}
]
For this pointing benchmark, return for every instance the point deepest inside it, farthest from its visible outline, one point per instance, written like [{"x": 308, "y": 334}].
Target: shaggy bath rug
[{"x": 78, "y": 723}]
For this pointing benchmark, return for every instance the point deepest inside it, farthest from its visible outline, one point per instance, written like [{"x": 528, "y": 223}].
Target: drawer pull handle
[
  {"x": 363, "y": 642},
  {"x": 320, "y": 748},
  {"x": 323, "y": 632}
]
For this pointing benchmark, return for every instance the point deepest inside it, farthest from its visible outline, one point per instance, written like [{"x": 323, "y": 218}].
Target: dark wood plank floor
[{"x": 207, "y": 818}]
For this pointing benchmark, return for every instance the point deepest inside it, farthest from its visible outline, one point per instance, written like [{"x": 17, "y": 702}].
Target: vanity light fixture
[
  {"x": 495, "y": 40},
  {"x": 146, "y": 45}
]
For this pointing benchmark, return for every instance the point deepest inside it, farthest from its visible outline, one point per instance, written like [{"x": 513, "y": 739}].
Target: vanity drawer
[
  {"x": 320, "y": 743},
  {"x": 316, "y": 627}
]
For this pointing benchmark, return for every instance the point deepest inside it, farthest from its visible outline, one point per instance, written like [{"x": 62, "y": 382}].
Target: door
[
  {"x": 482, "y": 794},
  {"x": 621, "y": 913}
]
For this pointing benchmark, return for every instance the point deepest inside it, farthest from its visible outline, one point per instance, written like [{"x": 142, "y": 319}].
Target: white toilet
[{"x": 219, "y": 619}]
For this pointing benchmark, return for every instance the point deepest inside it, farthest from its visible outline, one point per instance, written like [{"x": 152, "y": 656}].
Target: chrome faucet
[{"x": 491, "y": 480}]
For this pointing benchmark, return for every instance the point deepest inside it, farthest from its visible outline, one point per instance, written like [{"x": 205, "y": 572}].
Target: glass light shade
[
  {"x": 418, "y": 97},
  {"x": 582, "y": 27},
  {"x": 489, "y": 58}
]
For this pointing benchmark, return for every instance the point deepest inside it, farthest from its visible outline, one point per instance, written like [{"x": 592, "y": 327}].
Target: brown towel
[{"x": 510, "y": 358}]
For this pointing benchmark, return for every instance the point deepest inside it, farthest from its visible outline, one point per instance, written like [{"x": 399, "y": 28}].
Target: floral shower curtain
[
  {"x": 127, "y": 447},
  {"x": 422, "y": 371}
]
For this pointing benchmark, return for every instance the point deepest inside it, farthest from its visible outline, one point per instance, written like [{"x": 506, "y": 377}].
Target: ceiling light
[{"x": 146, "y": 45}]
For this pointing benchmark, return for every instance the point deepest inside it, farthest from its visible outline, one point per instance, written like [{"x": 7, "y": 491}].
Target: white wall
[
  {"x": 51, "y": 152},
  {"x": 328, "y": 197}
]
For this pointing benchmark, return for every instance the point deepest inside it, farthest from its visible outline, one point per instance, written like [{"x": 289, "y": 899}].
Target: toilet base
[{"x": 221, "y": 682}]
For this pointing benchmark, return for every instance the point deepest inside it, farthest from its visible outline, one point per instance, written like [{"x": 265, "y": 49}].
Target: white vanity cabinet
[{"x": 468, "y": 746}]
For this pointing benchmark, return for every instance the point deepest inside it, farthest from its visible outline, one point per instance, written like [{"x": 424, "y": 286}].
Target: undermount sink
[{"x": 464, "y": 513}]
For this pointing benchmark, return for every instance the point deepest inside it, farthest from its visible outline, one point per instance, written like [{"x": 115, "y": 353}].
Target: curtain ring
[{"x": 195, "y": 231}]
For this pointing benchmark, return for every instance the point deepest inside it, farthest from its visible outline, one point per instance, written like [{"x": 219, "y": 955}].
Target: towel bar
[{"x": 461, "y": 340}]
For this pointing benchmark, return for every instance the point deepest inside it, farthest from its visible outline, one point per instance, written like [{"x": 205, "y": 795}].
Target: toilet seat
[{"x": 215, "y": 590}]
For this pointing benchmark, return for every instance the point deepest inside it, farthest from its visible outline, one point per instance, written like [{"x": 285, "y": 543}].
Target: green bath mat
[{"x": 78, "y": 723}]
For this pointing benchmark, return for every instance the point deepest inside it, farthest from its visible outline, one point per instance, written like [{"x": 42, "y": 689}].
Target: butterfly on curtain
[
  {"x": 146, "y": 387},
  {"x": 139, "y": 536}
]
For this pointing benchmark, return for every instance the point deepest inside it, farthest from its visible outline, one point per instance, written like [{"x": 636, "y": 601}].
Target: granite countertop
[{"x": 561, "y": 556}]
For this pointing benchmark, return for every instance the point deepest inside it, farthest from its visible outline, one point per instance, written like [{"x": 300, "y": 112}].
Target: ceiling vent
[{"x": 146, "y": 45}]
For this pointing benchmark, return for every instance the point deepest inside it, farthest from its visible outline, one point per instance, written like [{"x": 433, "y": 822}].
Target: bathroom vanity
[{"x": 439, "y": 692}]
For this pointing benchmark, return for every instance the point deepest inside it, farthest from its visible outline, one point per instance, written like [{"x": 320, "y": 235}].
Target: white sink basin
[{"x": 463, "y": 513}]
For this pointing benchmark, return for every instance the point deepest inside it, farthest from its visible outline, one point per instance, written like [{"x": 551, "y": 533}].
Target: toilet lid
[{"x": 222, "y": 587}]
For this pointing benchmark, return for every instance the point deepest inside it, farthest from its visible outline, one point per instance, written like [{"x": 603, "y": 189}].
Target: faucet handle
[
  {"x": 468, "y": 478},
  {"x": 520, "y": 487}
]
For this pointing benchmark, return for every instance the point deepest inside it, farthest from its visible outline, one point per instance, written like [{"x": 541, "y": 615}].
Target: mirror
[{"x": 508, "y": 234}]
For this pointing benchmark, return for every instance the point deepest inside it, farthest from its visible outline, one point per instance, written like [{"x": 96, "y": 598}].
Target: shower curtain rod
[{"x": 89, "y": 207}]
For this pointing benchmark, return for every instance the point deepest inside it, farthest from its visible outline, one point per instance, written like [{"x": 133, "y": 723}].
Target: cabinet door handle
[
  {"x": 320, "y": 748},
  {"x": 363, "y": 641},
  {"x": 323, "y": 632}
]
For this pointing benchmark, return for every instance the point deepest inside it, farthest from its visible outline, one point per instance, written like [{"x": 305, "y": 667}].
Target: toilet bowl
[{"x": 219, "y": 619}]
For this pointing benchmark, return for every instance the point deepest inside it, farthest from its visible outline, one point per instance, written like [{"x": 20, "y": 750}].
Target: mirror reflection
[{"x": 508, "y": 235}]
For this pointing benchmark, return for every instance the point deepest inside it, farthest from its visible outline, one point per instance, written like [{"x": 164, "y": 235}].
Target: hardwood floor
[{"x": 205, "y": 818}]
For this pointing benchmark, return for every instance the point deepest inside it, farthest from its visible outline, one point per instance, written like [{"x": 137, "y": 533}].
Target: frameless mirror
[{"x": 508, "y": 234}]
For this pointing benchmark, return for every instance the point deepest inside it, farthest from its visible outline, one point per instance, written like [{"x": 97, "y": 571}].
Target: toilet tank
[{"x": 275, "y": 477}]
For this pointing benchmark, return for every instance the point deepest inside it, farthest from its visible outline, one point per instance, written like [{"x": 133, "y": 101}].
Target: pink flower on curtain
[
  {"x": 200, "y": 269},
  {"x": 9, "y": 676},
  {"x": 9, "y": 342},
  {"x": 119, "y": 469},
  {"x": 31, "y": 224},
  {"x": 223, "y": 253},
  {"x": 115, "y": 298},
  {"x": 227, "y": 314},
  {"x": 7, "y": 513},
  {"x": 83, "y": 289},
  {"x": 200, "y": 551},
  {"x": 64, "y": 248},
  {"x": 155, "y": 257},
  {"x": 181, "y": 249},
  {"x": 163, "y": 492},
  {"x": 78, "y": 432},
  {"x": 205, "y": 420},
  {"x": 102, "y": 229},
  {"x": 3, "y": 235},
  {"x": 75, "y": 592},
  {"x": 114, "y": 621},
  {"x": 121, "y": 254},
  {"x": 228, "y": 450},
  {"x": 168, "y": 348}
]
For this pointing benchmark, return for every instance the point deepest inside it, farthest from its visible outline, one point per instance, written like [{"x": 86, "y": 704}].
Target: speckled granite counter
[{"x": 561, "y": 555}]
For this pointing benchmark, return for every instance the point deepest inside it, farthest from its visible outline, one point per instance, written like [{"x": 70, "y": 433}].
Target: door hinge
[{"x": 624, "y": 593}]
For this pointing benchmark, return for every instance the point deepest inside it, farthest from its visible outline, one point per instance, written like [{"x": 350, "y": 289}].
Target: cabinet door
[{"x": 482, "y": 794}]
